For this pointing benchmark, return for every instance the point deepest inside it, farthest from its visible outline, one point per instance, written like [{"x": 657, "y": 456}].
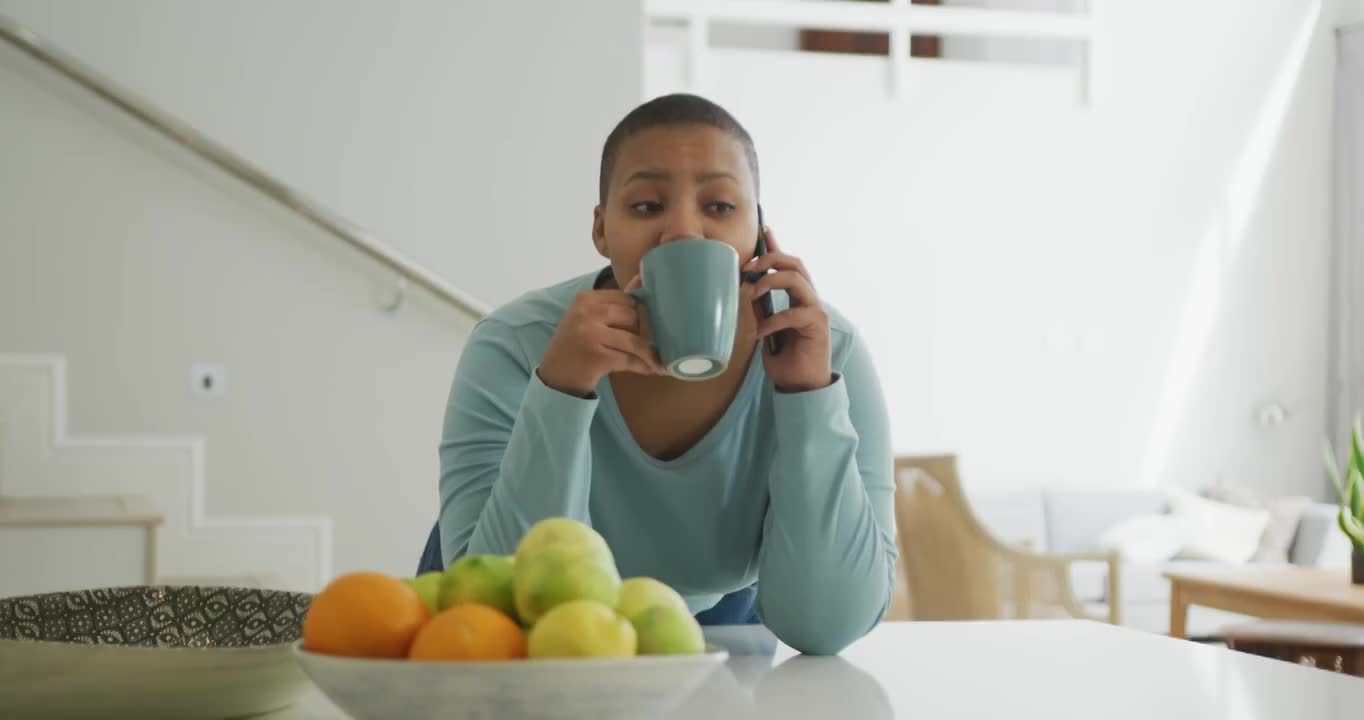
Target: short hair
[{"x": 668, "y": 111}]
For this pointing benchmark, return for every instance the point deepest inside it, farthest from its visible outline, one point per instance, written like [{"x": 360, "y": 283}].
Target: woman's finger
[
  {"x": 629, "y": 363},
  {"x": 613, "y": 315},
  {"x": 624, "y": 360},
  {"x": 634, "y": 345},
  {"x": 797, "y": 286},
  {"x": 806, "y": 321},
  {"x": 777, "y": 261}
]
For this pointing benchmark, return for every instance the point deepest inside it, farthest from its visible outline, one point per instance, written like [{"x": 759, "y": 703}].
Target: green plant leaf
[
  {"x": 1355, "y": 489},
  {"x": 1332, "y": 469},
  {"x": 1357, "y": 448},
  {"x": 1352, "y": 528}
]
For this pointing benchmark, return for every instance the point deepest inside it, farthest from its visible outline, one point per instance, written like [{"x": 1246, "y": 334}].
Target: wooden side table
[
  {"x": 1330, "y": 646},
  {"x": 1284, "y": 592}
]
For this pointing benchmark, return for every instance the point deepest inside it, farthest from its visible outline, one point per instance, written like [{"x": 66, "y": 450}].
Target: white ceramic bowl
[
  {"x": 595, "y": 688},
  {"x": 186, "y": 652}
]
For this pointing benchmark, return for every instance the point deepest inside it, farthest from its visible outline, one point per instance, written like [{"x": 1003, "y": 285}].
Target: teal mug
[{"x": 690, "y": 290}]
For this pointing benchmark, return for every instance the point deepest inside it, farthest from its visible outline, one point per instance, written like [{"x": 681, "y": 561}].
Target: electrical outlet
[{"x": 207, "y": 380}]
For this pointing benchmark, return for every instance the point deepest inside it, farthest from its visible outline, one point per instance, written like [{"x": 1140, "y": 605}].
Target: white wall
[
  {"x": 136, "y": 261},
  {"x": 466, "y": 133},
  {"x": 1067, "y": 294},
  {"x": 1349, "y": 12}
]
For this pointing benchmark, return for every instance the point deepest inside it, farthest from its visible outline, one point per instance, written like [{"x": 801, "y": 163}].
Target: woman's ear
[{"x": 599, "y": 231}]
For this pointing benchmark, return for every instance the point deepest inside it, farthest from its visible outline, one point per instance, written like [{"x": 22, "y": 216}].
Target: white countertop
[{"x": 1052, "y": 670}]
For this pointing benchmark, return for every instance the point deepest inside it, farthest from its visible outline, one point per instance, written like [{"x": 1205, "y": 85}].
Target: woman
[{"x": 776, "y": 472}]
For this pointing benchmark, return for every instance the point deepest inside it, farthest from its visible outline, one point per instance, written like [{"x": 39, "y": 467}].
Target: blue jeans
[{"x": 736, "y": 608}]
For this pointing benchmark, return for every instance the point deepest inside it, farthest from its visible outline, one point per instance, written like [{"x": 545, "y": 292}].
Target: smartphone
[{"x": 774, "y": 341}]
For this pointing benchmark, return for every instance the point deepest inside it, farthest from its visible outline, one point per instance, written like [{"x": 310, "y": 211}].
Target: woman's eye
[
  {"x": 720, "y": 208},
  {"x": 647, "y": 207}
]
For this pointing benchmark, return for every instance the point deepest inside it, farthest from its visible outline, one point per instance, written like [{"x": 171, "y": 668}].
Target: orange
[
  {"x": 469, "y": 632},
  {"x": 364, "y": 614}
]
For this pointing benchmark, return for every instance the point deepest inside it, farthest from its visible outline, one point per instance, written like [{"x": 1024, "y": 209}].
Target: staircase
[{"x": 63, "y": 476}]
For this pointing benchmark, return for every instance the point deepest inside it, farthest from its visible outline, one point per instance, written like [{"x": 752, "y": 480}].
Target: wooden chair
[{"x": 954, "y": 569}]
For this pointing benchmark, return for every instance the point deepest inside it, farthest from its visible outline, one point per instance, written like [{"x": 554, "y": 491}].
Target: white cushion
[
  {"x": 1284, "y": 515},
  {"x": 1217, "y": 531},
  {"x": 1144, "y": 539}
]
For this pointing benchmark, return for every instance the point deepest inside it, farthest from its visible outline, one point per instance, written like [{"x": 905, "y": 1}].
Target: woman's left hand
[{"x": 805, "y": 361}]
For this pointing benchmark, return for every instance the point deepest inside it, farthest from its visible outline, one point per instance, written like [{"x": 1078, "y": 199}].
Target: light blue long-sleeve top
[{"x": 791, "y": 490}]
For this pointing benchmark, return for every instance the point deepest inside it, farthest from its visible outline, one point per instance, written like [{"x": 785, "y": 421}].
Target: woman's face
[{"x": 671, "y": 183}]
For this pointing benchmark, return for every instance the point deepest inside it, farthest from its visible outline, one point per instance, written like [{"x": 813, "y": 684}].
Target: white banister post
[{"x": 899, "y": 51}]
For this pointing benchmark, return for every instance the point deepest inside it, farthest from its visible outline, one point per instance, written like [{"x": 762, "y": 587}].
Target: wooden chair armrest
[{"x": 1058, "y": 565}]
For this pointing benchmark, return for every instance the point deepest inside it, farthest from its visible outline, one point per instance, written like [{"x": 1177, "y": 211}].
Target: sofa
[{"x": 1075, "y": 521}]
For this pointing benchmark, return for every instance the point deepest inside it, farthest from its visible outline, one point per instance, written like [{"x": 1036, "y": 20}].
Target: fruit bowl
[
  {"x": 150, "y": 652},
  {"x": 595, "y": 688}
]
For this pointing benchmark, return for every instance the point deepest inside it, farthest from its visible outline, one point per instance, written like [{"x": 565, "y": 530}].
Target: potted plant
[{"x": 1350, "y": 490}]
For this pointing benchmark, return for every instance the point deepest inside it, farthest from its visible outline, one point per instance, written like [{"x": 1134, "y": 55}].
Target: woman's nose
[{"x": 681, "y": 225}]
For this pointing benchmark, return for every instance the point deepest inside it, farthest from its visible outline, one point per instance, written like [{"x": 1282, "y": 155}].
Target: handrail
[
  {"x": 899, "y": 20},
  {"x": 880, "y": 17},
  {"x": 224, "y": 159}
]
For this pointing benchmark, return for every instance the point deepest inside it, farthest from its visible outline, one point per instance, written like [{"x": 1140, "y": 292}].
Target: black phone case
[{"x": 773, "y": 341}]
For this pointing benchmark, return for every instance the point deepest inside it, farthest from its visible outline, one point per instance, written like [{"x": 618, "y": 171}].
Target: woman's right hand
[{"x": 599, "y": 335}]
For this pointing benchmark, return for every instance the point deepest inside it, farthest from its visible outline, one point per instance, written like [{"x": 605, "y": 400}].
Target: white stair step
[
  {"x": 79, "y": 511},
  {"x": 54, "y": 544},
  {"x": 40, "y": 459}
]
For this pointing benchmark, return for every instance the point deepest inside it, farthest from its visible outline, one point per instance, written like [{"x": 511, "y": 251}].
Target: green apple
[
  {"x": 482, "y": 579},
  {"x": 427, "y": 586}
]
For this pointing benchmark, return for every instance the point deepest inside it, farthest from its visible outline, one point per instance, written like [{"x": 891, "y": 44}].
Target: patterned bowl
[{"x": 150, "y": 652}]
